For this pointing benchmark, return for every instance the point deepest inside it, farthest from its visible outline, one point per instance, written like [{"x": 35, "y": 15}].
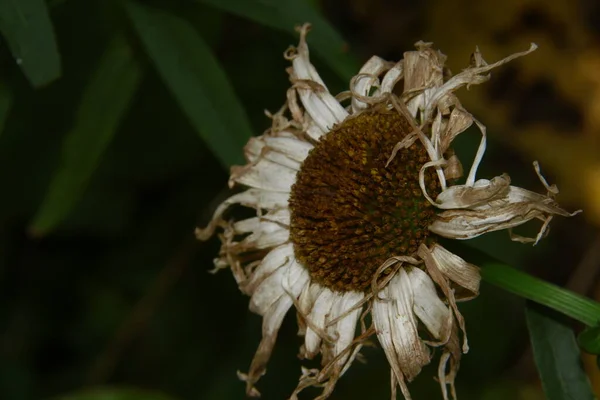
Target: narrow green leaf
[
  {"x": 285, "y": 15},
  {"x": 524, "y": 285},
  {"x": 6, "y": 100},
  {"x": 196, "y": 80},
  {"x": 115, "y": 394},
  {"x": 104, "y": 102},
  {"x": 27, "y": 28},
  {"x": 557, "y": 356}
]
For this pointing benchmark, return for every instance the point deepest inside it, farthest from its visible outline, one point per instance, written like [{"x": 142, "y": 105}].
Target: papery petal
[
  {"x": 396, "y": 328},
  {"x": 459, "y": 271},
  {"x": 366, "y": 79},
  {"x": 273, "y": 299},
  {"x": 264, "y": 234},
  {"x": 257, "y": 147},
  {"x": 470, "y": 76},
  {"x": 255, "y": 198},
  {"x": 265, "y": 174},
  {"x": 483, "y": 191},
  {"x": 433, "y": 269},
  {"x": 467, "y": 224},
  {"x": 293, "y": 148},
  {"x": 458, "y": 122},
  {"x": 346, "y": 312},
  {"x": 275, "y": 259},
  {"x": 318, "y": 102},
  {"x": 392, "y": 77},
  {"x": 428, "y": 306},
  {"x": 322, "y": 306}
]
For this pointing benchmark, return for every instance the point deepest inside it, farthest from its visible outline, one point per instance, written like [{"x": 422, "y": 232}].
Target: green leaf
[
  {"x": 589, "y": 339},
  {"x": 6, "y": 101},
  {"x": 557, "y": 356},
  {"x": 524, "y": 285},
  {"x": 104, "y": 102},
  {"x": 27, "y": 28},
  {"x": 115, "y": 394},
  {"x": 285, "y": 15},
  {"x": 196, "y": 80}
]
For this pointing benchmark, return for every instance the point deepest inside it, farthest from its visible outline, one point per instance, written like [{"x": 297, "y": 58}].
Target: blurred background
[{"x": 111, "y": 155}]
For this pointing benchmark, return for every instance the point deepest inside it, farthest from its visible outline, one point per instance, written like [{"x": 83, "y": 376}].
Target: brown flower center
[{"x": 349, "y": 212}]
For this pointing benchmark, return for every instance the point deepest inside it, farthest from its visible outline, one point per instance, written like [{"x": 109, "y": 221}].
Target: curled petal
[
  {"x": 483, "y": 191},
  {"x": 470, "y": 76},
  {"x": 367, "y": 78},
  {"x": 392, "y": 77},
  {"x": 458, "y": 122},
  {"x": 465, "y": 275},
  {"x": 318, "y": 102},
  {"x": 467, "y": 224}
]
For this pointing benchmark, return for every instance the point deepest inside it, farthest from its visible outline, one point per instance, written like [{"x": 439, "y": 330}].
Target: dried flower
[{"x": 349, "y": 201}]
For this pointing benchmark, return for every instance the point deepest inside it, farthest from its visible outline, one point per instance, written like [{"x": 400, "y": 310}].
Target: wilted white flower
[{"x": 349, "y": 200}]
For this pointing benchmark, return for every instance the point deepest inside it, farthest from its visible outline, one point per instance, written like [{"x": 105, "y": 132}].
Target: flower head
[{"x": 350, "y": 193}]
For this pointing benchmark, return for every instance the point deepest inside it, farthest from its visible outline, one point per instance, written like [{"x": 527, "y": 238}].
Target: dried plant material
[{"x": 348, "y": 202}]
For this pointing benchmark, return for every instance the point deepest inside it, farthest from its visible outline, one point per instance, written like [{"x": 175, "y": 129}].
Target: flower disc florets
[{"x": 354, "y": 205}]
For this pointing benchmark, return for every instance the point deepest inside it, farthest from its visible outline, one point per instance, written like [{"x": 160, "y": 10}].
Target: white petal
[
  {"x": 345, "y": 328},
  {"x": 256, "y": 198},
  {"x": 383, "y": 327},
  {"x": 280, "y": 216},
  {"x": 309, "y": 297},
  {"x": 397, "y": 328},
  {"x": 265, "y": 174},
  {"x": 367, "y": 78},
  {"x": 293, "y": 148},
  {"x": 294, "y": 282},
  {"x": 321, "y": 308},
  {"x": 275, "y": 259},
  {"x": 318, "y": 110},
  {"x": 280, "y": 150},
  {"x": 314, "y": 131},
  {"x": 428, "y": 306},
  {"x": 289, "y": 278},
  {"x": 318, "y": 102},
  {"x": 263, "y": 233},
  {"x": 458, "y": 271},
  {"x": 392, "y": 77}
]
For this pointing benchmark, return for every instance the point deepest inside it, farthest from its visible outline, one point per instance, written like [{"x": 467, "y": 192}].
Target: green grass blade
[
  {"x": 529, "y": 287},
  {"x": 27, "y": 28},
  {"x": 571, "y": 304},
  {"x": 103, "y": 104},
  {"x": 195, "y": 78},
  {"x": 285, "y": 15},
  {"x": 556, "y": 356}
]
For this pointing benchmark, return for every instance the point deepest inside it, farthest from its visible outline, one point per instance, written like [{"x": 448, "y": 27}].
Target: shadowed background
[{"x": 105, "y": 172}]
